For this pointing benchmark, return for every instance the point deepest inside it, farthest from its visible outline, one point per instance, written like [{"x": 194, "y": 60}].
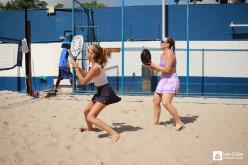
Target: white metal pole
[{"x": 163, "y": 19}]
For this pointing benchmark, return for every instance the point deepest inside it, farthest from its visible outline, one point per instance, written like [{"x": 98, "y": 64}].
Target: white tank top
[{"x": 101, "y": 79}]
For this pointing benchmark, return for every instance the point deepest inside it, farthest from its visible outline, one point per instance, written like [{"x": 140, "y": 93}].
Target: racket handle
[{"x": 70, "y": 54}]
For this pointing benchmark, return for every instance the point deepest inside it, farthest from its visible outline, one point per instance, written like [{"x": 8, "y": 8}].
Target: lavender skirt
[{"x": 168, "y": 84}]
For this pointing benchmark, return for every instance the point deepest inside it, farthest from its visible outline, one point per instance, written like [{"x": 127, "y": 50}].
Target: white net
[{"x": 8, "y": 55}]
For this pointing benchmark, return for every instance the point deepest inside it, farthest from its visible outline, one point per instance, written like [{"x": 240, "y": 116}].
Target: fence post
[
  {"x": 73, "y": 34},
  {"x": 203, "y": 70},
  {"x": 187, "y": 74},
  {"x": 122, "y": 47}
]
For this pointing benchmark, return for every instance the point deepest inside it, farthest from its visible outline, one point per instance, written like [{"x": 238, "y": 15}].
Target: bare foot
[
  {"x": 115, "y": 138},
  {"x": 156, "y": 123},
  {"x": 180, "y": 126},
  {"x": 87, "y": 129},
  {"x": 84, "y": 129}
]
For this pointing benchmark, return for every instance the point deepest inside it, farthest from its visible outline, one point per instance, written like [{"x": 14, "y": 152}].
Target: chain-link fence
[
  {"x": 216, "y": 68},
  {"x": 83, "y": 24},
  {"x": 214, "y": 72}
]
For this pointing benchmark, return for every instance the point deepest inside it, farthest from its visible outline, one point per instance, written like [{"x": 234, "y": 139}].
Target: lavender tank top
[{"x": 163, "y": 63}]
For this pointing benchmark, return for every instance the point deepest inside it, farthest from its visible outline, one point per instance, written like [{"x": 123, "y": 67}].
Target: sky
[{"x": 67, "y": 3}]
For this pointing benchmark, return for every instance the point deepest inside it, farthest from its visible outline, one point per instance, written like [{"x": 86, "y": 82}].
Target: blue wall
[
  {"x": 12, "y": 24},
  {"x": 207, "y": 22},
  {"x": 47, "y": 28},
  {"x": 141, "y": 23}
]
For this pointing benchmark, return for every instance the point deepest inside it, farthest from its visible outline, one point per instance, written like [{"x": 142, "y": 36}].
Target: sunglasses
[{"x": 163, "y": 42}]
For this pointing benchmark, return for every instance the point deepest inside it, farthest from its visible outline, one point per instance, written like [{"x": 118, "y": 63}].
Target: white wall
[
  {"x": 45, "y": 58},
  {"x": 216, "y": 63}
]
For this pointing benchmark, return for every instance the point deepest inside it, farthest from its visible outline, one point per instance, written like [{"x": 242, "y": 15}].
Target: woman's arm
[
  {"x": 83, "y": 76},
  {"x": 94, "y": 71},
  {"x": 75, "y": 65},
  {"x": 81, "y": 71}
]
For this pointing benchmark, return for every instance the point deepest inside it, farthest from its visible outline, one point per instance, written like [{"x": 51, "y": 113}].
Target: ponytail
[
  {"x": 172, "y": 44},
  {"x": 100, "y": 56}
]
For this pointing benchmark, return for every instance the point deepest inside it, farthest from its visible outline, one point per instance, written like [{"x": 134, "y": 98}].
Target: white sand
[{"x": 46, "y": 132}]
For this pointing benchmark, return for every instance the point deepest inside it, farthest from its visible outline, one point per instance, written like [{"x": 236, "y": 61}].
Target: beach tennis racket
[
  {"x": 76, "y": 46},
  {"x": 145, "y": 56}
]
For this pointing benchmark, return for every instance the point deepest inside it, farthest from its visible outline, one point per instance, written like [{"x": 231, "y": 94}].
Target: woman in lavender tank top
[{"x": 168, "y": 85}]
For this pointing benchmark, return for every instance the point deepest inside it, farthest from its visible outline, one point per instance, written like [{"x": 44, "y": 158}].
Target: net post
[{"x": 28, "y": 77}]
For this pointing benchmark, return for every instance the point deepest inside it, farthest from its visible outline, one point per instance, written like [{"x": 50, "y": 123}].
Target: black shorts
[{"x": 105, "y": 95}]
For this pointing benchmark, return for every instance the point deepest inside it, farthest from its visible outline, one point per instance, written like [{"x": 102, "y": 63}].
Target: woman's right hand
[
  {"x": 72, "y": 62},
  {"x": 152, "y": 66}
]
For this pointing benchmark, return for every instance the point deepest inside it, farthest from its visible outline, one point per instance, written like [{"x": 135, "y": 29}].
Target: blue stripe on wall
[
  {"x": 222, "y": 86},
  {"x": 19, "y": 84},
  {"x": 12, "y": 83},
  {"x": 204, "y": 86}
]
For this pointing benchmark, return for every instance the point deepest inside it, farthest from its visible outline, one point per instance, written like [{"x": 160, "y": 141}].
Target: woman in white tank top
[{"x": 105, "y": 94}]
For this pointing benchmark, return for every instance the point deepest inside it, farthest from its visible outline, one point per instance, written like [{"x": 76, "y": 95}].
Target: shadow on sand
[
  {"x": 121, "y": 127},
  {"x": 185, "y": 119}
]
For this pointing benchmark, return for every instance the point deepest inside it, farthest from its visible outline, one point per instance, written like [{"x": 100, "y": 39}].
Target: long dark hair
[{"x": 172, "y": 44}]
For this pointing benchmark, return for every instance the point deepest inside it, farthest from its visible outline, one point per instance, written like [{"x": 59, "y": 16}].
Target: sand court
[{"x": 46, "y": 131}]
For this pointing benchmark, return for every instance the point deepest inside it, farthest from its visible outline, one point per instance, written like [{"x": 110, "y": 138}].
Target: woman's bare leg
[
  {"x": 91, "y": 117},
  {"x": 167, "y": 102},
  {"x": 86, "y": 112},
  {"x": 156, "y": 107}
]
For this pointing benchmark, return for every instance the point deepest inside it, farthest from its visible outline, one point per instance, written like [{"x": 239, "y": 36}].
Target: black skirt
[{"x": 105, "y": 95}]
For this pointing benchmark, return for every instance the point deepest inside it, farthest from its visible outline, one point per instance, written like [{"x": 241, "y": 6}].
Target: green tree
[
  {"x": 231, "y": 1},
  {"x": 41, "y": 4},
  {"x": 1, "y": 5},
  {"x": 59, "y": 5},
  {"x": 222, "y": 1},
  {"x": 22, "y": 4},
  {"x": 219, "y": 1},
  {"x": 191, "y": 1},
  {"x": 93, "y": 4}
]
